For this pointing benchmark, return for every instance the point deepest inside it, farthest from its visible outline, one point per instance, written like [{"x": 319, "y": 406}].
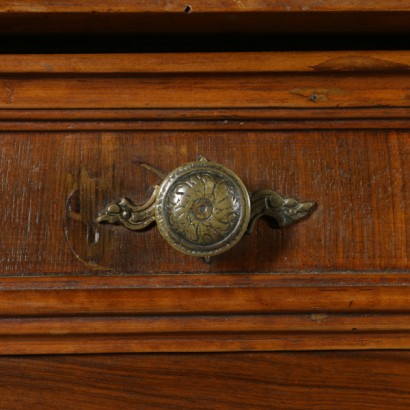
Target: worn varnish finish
[
  {"x": 356, "y": 177},
  {"x": 76, "y": 135},
  {"x": 288, "y": 381}
]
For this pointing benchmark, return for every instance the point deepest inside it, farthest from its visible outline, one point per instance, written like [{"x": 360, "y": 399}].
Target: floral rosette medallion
[{"x": 204, "y": 209}]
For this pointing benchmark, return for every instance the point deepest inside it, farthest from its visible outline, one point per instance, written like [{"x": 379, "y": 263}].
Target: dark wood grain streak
[
  {"x": 106, "y": 280},
  {"x": 251, "y": 115},
  {"x": 230, "y": 125},
  {"x": 288, "y": 381},
  {"x": 203, "y": 333}
]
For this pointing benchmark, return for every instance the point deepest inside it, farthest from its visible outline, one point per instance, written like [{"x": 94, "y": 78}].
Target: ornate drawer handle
[{"x": 203, "y": 209}]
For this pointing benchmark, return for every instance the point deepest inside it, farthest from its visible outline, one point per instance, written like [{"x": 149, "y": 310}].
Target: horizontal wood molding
[
  {"x": 198, "y": 313},
  {"x": 58, "y": 344},
  {"x": 243, "y": 81},
  {"x": 178, "y": 115},
  {"x": 222, "y": 6},
  {"x": 205, "y": 324},
  {"x": 207, "y": 125},
  {"x": 240, "y": 62},
  {"x": 204, "y": 313},
  {"x": 185, "y": 119},
  {"x": 220, "y": 91},
  {"x": 205, "y": 294}
]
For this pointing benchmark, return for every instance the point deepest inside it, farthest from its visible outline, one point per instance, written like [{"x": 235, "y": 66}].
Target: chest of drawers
[
  {"x": 287, "y": 318},
  {"x": 79, "y": 131}
]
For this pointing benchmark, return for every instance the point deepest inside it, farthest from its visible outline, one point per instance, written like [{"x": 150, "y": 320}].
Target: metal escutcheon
[{"x": 203, "y": 209}]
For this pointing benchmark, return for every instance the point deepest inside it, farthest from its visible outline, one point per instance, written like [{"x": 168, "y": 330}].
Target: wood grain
[
  {"x": 202, "y": 342},
  {"x": 330, "y": 127},
  {"x": 206, "y": 324},
  {"x": 358, "y": 178},
  {"x": 323, "y": 380},
  {"x": 208, "y": 6},
  {"x": 171, "y": 81},
  {"x": 203, "y": 313},
  {"x": 241, "y": 62},
  {"x": 239, "y": 294},
  {"x": 216, "y": 91}
]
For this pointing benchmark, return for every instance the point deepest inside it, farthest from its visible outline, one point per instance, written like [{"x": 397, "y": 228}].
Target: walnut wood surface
[
  {"x": 328, "y": 90},
  {"x": 203, "y": 313},
  {"x": 169, "y": 81},
  {"x": 322, "y": 380},
  {"x": 214, "y": 294},
  {"x": 332, "y": 128},
  {"x": 358, "y": 179},
  {"x": 241, "y": 62}
]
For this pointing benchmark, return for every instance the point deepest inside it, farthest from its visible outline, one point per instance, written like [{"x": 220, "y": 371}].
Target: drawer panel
[
  {"x": 327, "y": 127},
  {"x": 57, "y": 183}
]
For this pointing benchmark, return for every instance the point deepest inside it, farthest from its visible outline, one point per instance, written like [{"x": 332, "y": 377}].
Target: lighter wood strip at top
[
  {"x": 208, "y": 6},
  {"x": 319, "y": 62}
]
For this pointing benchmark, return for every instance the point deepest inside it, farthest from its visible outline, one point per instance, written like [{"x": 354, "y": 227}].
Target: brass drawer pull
[{"x": 203, "y": 209}]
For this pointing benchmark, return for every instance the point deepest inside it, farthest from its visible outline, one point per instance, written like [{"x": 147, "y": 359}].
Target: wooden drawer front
[
  {"x": 77, "y": 133},
  {"x": 63, "y": 180}
]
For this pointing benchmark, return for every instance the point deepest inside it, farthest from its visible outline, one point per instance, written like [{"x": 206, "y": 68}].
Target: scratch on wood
[
  {"x": 80, "y": 207},
  {"x": 160, "y": 174},
  {"x": 318, "y": 317},
  {"x": 90, "y": 264}
]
